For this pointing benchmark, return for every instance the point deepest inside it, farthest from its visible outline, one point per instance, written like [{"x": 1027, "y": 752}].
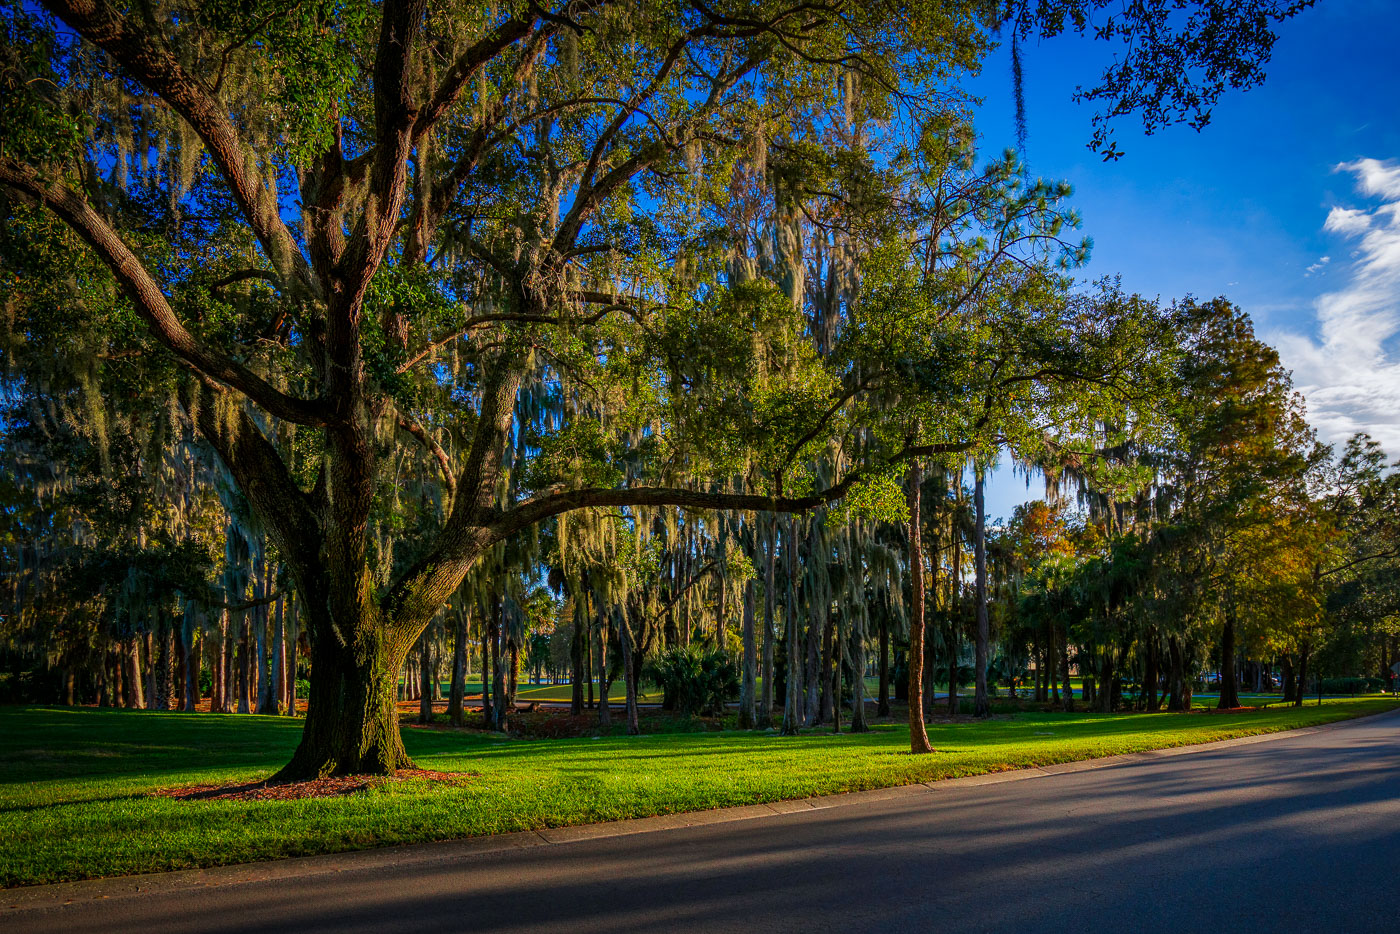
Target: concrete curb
[{"x": 51, "y": 896}]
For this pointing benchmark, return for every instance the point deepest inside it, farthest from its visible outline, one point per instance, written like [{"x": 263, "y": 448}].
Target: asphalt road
[{"x": 1293, "y": 834}]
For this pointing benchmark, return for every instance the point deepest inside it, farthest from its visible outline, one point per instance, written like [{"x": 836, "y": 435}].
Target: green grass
[{"x": 74, "y": 781}]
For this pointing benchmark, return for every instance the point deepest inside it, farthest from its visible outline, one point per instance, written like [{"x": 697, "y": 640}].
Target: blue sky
[{"x": 1288, "y": 203}]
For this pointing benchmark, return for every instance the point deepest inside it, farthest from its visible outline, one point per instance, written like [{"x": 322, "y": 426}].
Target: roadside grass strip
[{"x": 77, "y": 784}]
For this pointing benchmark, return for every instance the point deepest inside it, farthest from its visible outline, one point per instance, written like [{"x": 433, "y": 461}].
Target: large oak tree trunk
[{"x": 352, "y": 724}]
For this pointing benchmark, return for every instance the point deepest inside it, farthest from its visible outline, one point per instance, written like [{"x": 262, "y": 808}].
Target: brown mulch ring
[{"x": 330, "y": 787}]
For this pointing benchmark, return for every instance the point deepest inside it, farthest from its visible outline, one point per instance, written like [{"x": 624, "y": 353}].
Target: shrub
[
  {"x": 1351, "y": 685},
  {"x": 695, "y": 680}
]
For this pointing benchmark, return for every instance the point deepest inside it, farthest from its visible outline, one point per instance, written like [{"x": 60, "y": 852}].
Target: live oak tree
[{"x": 362, "y": 230}]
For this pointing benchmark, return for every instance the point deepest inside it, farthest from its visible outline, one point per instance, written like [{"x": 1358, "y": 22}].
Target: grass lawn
[{"x": 74, "y": 782}]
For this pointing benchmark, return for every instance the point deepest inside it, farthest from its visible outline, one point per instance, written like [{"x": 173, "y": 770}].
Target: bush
[
  {"x": 1351, "y": 685},
  {"x": 695, "y": 680}
]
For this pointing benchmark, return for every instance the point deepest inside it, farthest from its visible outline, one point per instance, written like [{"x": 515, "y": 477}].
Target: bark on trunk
[
  {"x": 792, "y": 701},
  {"x": 918, "y": 735},
  {"x": 981, "y": 706},
  {"x": 600, "y": 656},
  {"x": 770, "y": 574},
  {"x": 824, "y": 702},
  {"x": 748, "y": 685},
  {"x": 1151, "y": 701},
  {"x": 1068, "y": 690},
  {"x": 135, "y": 696},
  {"x": 1229, "y": 684},
  {"x": 882, "y": 707},
  {"x": 576, "y": 667},
  {"x": 425, "y": 688},
  {"x": 278, "y": 693},
  {"x": 459, "y": 672},
  {"x": 629, "y": 674},
  {"x": 352, "y": 724}
]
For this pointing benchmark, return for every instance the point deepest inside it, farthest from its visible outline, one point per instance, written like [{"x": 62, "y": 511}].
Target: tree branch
[{"x": 150, "y": 302}]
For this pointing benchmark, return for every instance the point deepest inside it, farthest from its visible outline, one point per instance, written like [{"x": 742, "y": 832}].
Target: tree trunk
[
  {"x": 135, "y": 697},
  {"x": 857, "y": 656},
  {"x": 981, "y": 705},
  {"x": 352, "y": 724},
  {"x": 1229, "y": 684},
  {"x": 770, "y": 573},
  {"x": 604, "y": 685},
  {"x": 824, "y": 701},
  {"x": 244, "y": 664},
  {"x": 425, "y": 674},
  {"x": 576, "y": 667},
  {"x": 792, "y": 701},
  {"x": 1302, "y": 676},
  {"x": 629, "y": 674},
  {"x": 1179, "y": 679},
  {"x": 488, "y": 636},
  {"x": 882, "y": 707},
  {"x": 500, "y": 701},
  {"x": 278, "y": 690},
  {"x": 293, "y": 644},
  {"x": 190, "y": 651},
  {"x": 748, "y": 684},
  {"x": 918, "y": 735},
  {"x": 1151, "y": 702},
  {"x": 1290, "y": 685},
  {"x": 459, "y": 672},
  {"x": 1068, "y": 690}
]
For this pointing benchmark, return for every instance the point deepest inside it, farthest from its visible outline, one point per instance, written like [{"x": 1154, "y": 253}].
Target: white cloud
[
  {"x": 1375, "y": 177},
  {"x": 1346, "y": 221},
  {"x": 1350, "y": 370},
  {"x": 1317, "y": 266}
]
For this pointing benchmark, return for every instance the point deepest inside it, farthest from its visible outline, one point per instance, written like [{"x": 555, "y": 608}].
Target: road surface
[{"x": 1294, "y": 834}]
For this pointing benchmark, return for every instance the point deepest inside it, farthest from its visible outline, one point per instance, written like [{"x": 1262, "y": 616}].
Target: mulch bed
[{"x": 331, "y": 787}]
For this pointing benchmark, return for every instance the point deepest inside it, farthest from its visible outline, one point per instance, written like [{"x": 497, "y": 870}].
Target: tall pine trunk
[
  {"x": 459, "y": 671},
  {"x": 981, "y": 706},
  {"x": 918, "y": 735},
  {"x": 792, "y": 702},
  {"x": 748, "y": 684},
  {"x": 1229, "y": 683}
]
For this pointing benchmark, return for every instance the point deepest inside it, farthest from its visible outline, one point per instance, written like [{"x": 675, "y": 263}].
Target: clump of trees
[{"x": 375, "y": 339}]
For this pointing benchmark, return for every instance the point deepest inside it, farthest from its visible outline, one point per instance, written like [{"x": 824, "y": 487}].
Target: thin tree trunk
[
  {"x": 1068, "y": 692},
  {"x": 1151, "y": 701},
  {"x": 191, "y": 659},
  {"x": 278, "y": 690},
  {"x": 488, "y": 636},
  {"x": 135, "y": 697},
  {"x": 918, "y": 735},
  {"x": 825, "y": 704},
  {"x": 882, "y": 708},
  {"x": 792, "y": 702},
  {"x": 1229, "y": 685},
  {"x": 629, "y": 673},
  {"x": 748, "y": 684},
  {"x": 576, "y": 666},
  {"x": 459, "y": 671},
  {"x": 425, "y": 674},
  {"x": 604, "y": 685},
  {"x": 1179, "y": 699},
  {"x": 770, "y": 573},
  {"x": 981, "y": 705}
]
